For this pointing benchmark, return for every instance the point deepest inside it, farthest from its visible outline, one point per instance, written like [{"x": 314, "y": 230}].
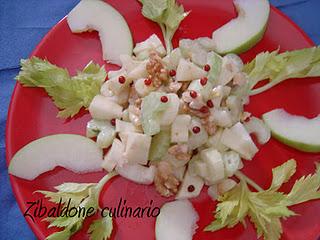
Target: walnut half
[{"x": 165, "y": 182}]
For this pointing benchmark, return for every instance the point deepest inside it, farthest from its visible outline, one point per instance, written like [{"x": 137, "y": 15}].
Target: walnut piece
[
  {"x": 137, "y": 102},
  {"x": 156, "y": 70},
  {"x": 165, "y": 181},
  {"x": 180, "y": 152}
]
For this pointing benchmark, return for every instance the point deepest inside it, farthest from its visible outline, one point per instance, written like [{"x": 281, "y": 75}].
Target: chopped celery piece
[
  {"x": 159, "y": 145},
  {"x": 151, "y": 109},
  {"x": 215, "y": 62}
]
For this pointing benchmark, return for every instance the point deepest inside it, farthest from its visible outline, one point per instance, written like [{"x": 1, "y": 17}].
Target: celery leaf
[{"x": 69, "y": 94}]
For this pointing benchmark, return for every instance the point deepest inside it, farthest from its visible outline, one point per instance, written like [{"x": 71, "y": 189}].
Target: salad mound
[
  {"x": 172, "y": 113},
  {"x": 175, "y": 118}
]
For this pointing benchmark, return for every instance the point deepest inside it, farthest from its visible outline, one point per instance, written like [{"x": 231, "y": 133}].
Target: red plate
[{"x": 32, "y": 115}]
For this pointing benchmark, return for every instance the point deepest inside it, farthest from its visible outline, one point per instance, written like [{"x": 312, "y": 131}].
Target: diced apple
[
  {"x": 180, "y": 129},
  {"x": 218, "y": 94},
  {"x": 189, "y": 183},
  {"x": 238, "y": 139},
  {"x": 141, "y": 88},
  {"x": 222, "y": 117},
  {"x": 191, "y": 49},
  {"x": 206, "y": 43},
  {"x": 105, "y": 89},
  {"x": 122, "y": 126},
  {"x": 153, "y": 43},
  {"x": 116, "y": 87},
  {"x": 226, "y": 73},
  {"x": 137, "y": 148},
  {"x": 137, "y": 173},
  {"x": 114, "y": 156},
  {"x": 197, "y": 139},
  {"x": 128, "y": 63},
  {"x": 235, "y": 104},
  {"x": 203, "y": 90},
  {"x": 215, "y": 165},
  {"x": 121, "y": 98},
  {"x": 138, "y": 72},
  {"x": 117, "y": 73},
  {"x": 197, "y": 167},
  {"x": 123, "y": 137},
  {"x": 103, "y": 108},
  {"x": 188, "y": 71},
  {"x": 232, "y": 162},
  {"x": 170, "y": 113},
  {"x": 231, "y": 65},
  {"x": 115, "y": 35},
  {"x": 172, "y": 60},
  {"x": 215, "y": 141}
]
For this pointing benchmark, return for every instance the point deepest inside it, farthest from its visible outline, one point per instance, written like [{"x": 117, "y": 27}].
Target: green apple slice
[
  {"x": 245, "y": 31},
  {"x": 295, "y": 131},
  {"x": 74, "y": 152},
  {"x": 115, "y": 35}
]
